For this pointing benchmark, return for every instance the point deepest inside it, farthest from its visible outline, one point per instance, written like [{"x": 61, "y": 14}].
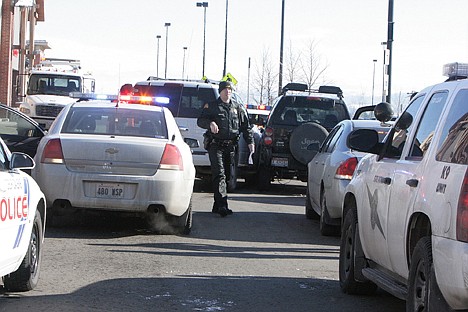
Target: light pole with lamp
[
  {"x": 373, "y": 82},
  {"x": 157, "y": 58},
  {"x": 183, "y": 63},
  {"x": 167, "y": 31},
  {"x": 204, "y": 5}
]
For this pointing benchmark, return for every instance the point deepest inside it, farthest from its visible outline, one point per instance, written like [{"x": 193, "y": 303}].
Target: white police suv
[
  {"x": 22, "y": 222},
  {"x": 405, "y": 224}
]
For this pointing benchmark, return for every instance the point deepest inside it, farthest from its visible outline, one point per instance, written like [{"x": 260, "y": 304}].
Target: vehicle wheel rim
[
  {"x": 34, "y": 255},
  {"x": 420, "y": 287},
  {"x": 348, "y": 250}
]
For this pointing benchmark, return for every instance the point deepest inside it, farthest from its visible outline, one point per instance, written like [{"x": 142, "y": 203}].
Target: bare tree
[
  {"x": 313, "y": 68},
  {"x": 264, "y": 80},
  {"x": 292, "y": 64},
  {"x": 303, "y": 66}
]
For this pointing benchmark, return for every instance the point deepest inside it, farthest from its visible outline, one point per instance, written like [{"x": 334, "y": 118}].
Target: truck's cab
[{"x": 49, "y": 86}]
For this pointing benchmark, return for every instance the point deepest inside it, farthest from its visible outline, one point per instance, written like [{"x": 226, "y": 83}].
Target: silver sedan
[
  {"x": 330, "y": 171},
  {"x": 116, "y": 156}
]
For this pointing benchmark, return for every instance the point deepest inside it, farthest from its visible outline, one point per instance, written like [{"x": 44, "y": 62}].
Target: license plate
[
  {"x": 279, "y": 162},
  {"x": 110, "y": 191}
]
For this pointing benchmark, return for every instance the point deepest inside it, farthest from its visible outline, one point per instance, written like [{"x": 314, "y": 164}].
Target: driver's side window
[{"x": 403, "y": 126}]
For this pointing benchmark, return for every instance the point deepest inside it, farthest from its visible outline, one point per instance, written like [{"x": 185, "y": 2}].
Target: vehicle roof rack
[
  {"x": 302, "y": 87},
  {"x": 331, "y": 90},
  {"x": 294, "y": 86},
  {"x": 152, "y": 78},
  {"x": 72, "y": 64}
]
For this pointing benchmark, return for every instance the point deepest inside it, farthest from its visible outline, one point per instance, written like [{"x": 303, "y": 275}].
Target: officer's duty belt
[{"x": 223, "y": 142}]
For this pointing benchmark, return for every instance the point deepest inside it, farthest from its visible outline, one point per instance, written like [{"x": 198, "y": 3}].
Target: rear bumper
[
  {"x": 451, "y": 268},
  {"x": 276, "y": 161},
  {"x": 167, "y": 188}
]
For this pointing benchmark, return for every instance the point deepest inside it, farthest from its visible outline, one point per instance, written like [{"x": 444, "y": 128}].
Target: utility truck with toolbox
[{"x": 49, "y": 86}]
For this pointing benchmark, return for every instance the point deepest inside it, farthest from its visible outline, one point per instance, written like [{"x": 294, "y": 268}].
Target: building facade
[{"x": 18, "y": 20}]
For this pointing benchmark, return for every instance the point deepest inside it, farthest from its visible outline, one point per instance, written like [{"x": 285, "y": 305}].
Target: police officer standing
[{"x": 224, "y": 120}]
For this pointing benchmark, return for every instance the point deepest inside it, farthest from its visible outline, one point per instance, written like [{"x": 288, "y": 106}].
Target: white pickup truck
[
  {"x": 405, "y": 212},
  {"x": 22, "y": 222}
]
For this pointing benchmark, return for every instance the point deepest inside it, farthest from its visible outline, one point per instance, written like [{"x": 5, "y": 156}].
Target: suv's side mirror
[
  {"x": 364, "y": 140},
  {"x": 404, "y": 121}
]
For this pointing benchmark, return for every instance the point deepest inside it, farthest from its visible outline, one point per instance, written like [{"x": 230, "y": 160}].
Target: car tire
[
  {"x": 184, "y": 222},
  {"x": 26, "y": 277},
  {"x": 311, "y": 133},
  {"x": 325, "y": 228},
  {"x": 422, "y": 288},
  {"x": 347, "y": 260},
  {"x": 264, "y": 178},
  {"x": 309, "y": 211}
]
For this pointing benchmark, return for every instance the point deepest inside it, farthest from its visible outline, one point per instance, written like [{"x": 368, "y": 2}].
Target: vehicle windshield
[
  {"x": 53, "y": 84},
  {"x": 298, "y": 110},
  {"x": 116, "y": 121},
  {"x": 183, "y": 101}
]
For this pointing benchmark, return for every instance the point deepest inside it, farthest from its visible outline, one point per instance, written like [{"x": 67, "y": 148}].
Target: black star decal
[{"x": 373, "y": 203}]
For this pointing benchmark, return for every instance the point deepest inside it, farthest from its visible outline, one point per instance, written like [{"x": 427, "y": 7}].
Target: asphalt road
[{"x": 265, "y": 257}]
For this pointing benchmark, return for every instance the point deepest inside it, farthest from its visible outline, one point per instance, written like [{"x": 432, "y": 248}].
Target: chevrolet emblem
[{"x": 112, "y": 150}]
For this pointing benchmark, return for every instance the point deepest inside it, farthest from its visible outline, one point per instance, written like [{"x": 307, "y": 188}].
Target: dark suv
[{"x": 298, "y": 123}]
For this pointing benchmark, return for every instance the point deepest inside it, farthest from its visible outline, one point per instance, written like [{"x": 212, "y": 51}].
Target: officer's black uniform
[{"x": 232, "y": 120}]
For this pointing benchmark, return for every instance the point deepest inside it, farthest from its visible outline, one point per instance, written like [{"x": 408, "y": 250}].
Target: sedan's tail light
[
  {"x": 346, "y": 169},
  {"x": 462, "y": 212},
  {"x": 52, "y": 153},
  {"x": 171, "y": 158}
]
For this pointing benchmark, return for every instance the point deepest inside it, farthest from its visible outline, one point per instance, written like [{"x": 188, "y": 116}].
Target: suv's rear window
[
  {"x": 296, "y": 110},
  {"x": 183, "y": 101}
]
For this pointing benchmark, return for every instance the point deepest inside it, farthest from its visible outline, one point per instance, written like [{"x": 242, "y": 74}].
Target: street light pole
[
  {"x": 225, "y": 40},
  {"x": 389, "y": 48},
  {"x": 204, "y": 5},
  {"x": 280, "y": 75},
  {"x": 248, "y": 83},
  {"x": 157, "y": 59},
  {"x": 183, "y": 64},
  {"x": 373, "y": 82},
  {"x": 167, "y": 32}
]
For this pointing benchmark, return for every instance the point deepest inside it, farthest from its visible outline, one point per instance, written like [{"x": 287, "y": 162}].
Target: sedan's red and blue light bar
[
  {"x": 148, "y": 100},
  {"x": 259, "y": 106}
]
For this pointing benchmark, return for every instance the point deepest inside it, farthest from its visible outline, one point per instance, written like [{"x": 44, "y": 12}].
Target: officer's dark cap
[{"x": 225, "y": 84}]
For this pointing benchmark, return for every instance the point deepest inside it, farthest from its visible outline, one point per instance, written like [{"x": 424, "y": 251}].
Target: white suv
[
  {"x": 405, "y": 224},
  {"x": 186, "y": 99}
]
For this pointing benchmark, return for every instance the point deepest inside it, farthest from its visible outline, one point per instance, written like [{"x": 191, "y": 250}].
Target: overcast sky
[{"x": 116, "y": 39}]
